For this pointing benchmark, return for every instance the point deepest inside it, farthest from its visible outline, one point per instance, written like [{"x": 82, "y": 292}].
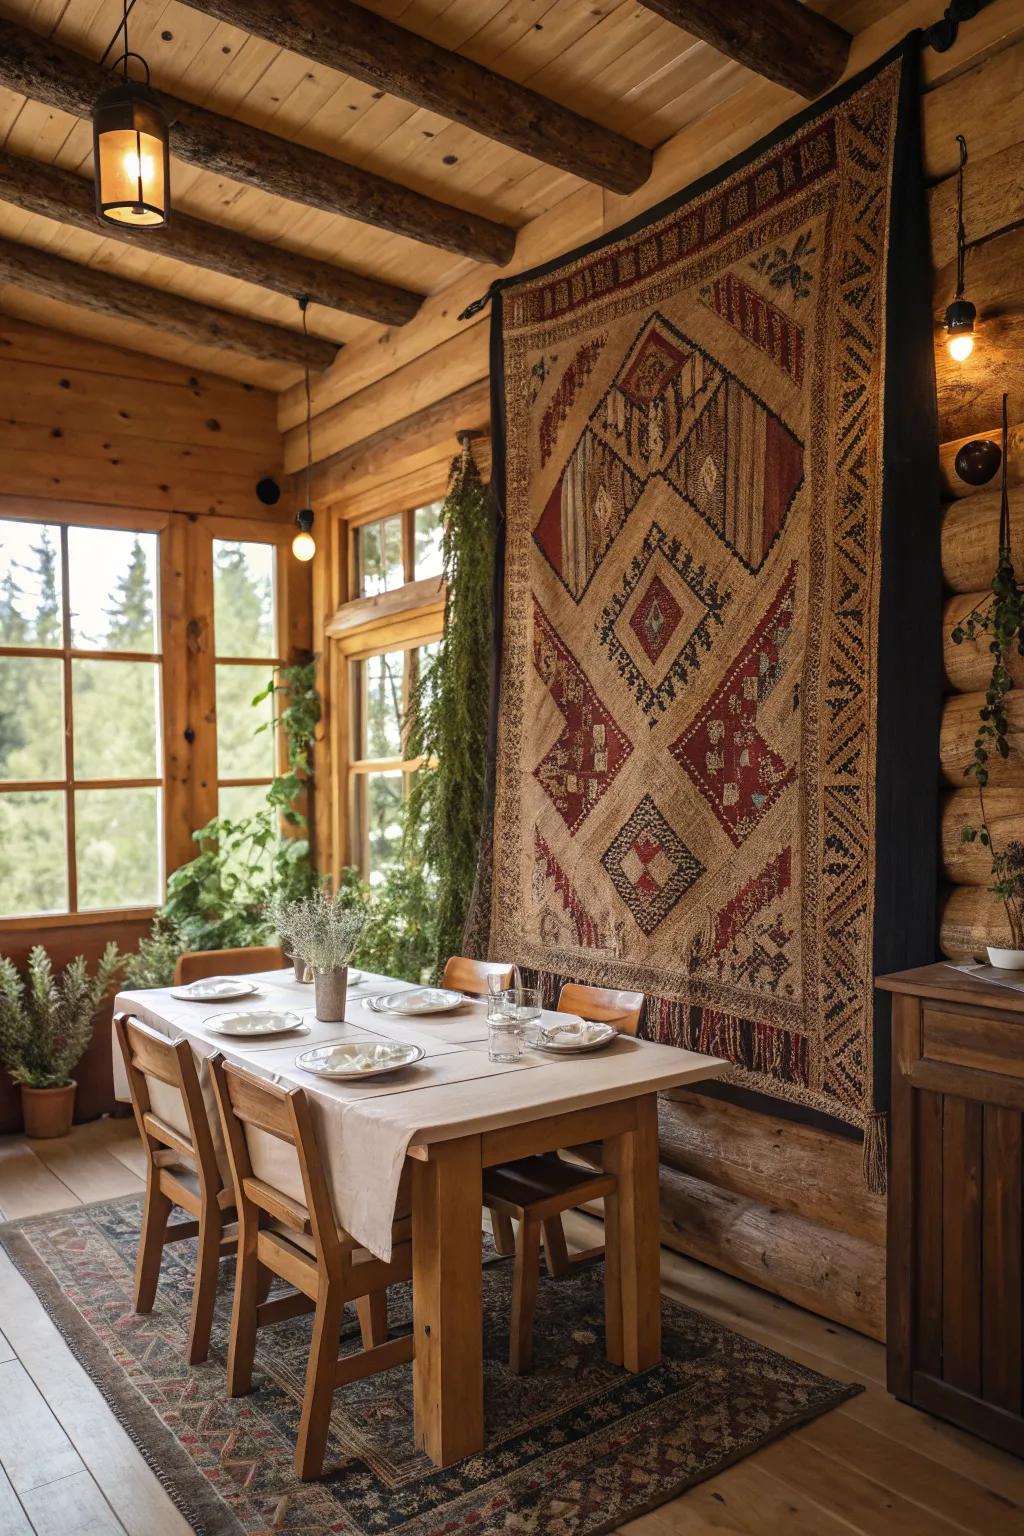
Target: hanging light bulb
[
  {"x": 131, "y": 150},
  {"x": 961, "y": 314},
  {"x": 303, "y": 544}
]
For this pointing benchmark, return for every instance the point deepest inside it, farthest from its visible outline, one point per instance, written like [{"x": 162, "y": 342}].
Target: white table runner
[{"x": 365, "y": 1129}]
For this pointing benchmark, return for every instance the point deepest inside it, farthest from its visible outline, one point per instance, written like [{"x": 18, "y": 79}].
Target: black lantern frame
[{"x": 132, "y": 109}]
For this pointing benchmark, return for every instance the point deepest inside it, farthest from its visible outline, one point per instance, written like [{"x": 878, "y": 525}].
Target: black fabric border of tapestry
[{"x": 910, "y": 608}]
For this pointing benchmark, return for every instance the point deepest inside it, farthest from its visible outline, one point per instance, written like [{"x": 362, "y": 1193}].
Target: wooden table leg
[
  {"x": 447, "y": 1289},
  {"x": 634, "y": 1157}
]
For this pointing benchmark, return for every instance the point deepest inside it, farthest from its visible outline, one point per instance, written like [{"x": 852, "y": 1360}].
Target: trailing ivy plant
[
  {"x": 219, "y": 899},
  {"x": 448, "y": 714}
]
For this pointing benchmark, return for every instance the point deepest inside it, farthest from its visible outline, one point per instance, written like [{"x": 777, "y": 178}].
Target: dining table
[{"x": 432, "y": 1129}]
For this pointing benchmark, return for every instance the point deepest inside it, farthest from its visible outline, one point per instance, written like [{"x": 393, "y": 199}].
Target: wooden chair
[
  {"x": 470, "y": 976},
  {"x": 227, "y": 962},
  {"x": 536, "y": 1190},
  {"x": 286, "y": 1227},
  {"x": 181, "y": 1169}
]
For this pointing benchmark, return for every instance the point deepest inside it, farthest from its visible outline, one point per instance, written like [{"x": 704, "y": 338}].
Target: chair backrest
[
  {"x": 166, "y": 1097},
  {"x": 274, "y": 1157},
  {"x": 604, "y": 1005},
  {"x": 464, "y": 975},
  {"x": 201, "y": 963}
]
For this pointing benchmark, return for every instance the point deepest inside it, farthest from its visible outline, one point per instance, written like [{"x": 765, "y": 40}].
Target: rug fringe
[{"x": 876, "y": 1151}]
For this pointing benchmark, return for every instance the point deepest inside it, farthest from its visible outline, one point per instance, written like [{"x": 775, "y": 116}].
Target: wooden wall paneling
[
  {"x": 178, "y": 764},
  {"x": 970, "y": 393},
  {"x": 968, "y": 666},
  {"x": 970, "y": 863},
  {"x": 971, "y": 917},
  {"x": 970, "y": 537},
  {"x": 993, "y": 200},
  {"x": 956, "y": 740},
  {"x": 985, "y": 103},
  {"x": 1002, "y": 1280}
]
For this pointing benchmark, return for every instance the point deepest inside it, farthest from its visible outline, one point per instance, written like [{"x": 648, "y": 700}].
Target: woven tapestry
[{"x": 718, "y": 519}]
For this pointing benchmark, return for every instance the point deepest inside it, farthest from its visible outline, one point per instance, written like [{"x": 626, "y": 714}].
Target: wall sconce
[
  {"x": 131, "y": 150},
  {"x": 961, "y": 314}
]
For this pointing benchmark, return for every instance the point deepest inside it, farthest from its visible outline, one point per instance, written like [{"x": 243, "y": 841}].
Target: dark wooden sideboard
[{"x": 955, "y": 1290}]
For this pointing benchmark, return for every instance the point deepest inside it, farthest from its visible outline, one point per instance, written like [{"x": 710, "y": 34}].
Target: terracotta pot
[{"x": 47, "y": 1112}]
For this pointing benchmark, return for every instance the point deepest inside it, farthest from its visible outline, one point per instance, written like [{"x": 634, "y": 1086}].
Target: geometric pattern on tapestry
[
  {"x": 685, "y": 759},
  {"x": 578, "y": 768},
  {"x": 650, "y": 865},
  {"x": 662, "y": 620},
  {"x": 672, "y": 411},
  {"x": 723, "y": 749}
]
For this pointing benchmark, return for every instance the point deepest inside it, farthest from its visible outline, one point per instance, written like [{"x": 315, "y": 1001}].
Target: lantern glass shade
[{"x": 131, "y": 157}]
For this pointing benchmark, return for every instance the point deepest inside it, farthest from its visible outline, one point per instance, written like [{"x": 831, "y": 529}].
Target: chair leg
[
  {"x": 503, "y": 1233},
  {"x": 155, "y": 1215},
  {"x": 524, "y": 1294},
  {"x": 555, "y": 1251},
  {"x": 372, "y": 1311},
  {"x": 242, "y": 1344},
  {"x": 204, "y": 1289},
  {"x": 320, "y": 1380}
]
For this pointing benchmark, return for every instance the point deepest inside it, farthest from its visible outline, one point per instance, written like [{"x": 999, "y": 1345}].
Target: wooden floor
[{"x": 870, "y": 1467}]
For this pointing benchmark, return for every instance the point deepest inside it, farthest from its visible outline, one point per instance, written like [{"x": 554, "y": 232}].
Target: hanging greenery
[{"x": 448, "y": 713}]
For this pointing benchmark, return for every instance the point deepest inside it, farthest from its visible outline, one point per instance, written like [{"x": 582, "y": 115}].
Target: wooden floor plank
[
  {"x": 87, "y": 1166},
  {"x": 72, "y": 1507},
  {"x": 130, "y": 1486},
  {"x": 13, "y": 1519},
  {"x": 27, "y": 1187},
  {"x": 744, "y": 1501},
  {"x": 33, "y": 1447}
]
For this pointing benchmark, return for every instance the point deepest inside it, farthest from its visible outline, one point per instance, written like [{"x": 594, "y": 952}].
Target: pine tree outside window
[
  {"x": 247, "y": 650},
  {"x": 81, "y": 749}
]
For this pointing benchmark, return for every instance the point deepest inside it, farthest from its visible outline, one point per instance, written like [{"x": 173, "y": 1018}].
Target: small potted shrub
[
  {"x": 45, "y": 1028},
  {"x": 322, "y": 930},
  {"x": 1008, "y": 884}
]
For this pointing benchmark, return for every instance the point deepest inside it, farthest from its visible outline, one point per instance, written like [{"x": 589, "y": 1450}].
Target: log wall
[
  {"x": 780, "y": 1205},
  {"x": 94, "y": 428}
]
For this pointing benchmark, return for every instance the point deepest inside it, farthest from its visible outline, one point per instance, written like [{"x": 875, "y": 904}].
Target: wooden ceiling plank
[
  {"x": 48, "y": 72},
  {"x": 26, "y": 266},
  {"x": 355, "y": 41},
  {"x": 59, "y": 194},
  {"x": 783, "y": 40}
]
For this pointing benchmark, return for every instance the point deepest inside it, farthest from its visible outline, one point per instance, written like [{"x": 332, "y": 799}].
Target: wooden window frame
[{"x": 188, "y": 684}]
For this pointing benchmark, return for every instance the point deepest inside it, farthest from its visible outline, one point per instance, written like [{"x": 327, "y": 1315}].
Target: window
[
  {"x": 405, "y": 546},
  {"x": 81, "y": 740},
  {"x": 379, "y": 768},
  {"x": 246, "y": 644}
]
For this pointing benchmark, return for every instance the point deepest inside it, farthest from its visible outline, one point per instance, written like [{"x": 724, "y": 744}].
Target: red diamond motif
[{"x": 655, "y": 618}]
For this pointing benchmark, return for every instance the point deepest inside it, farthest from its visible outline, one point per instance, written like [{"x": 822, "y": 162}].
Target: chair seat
[
  {"x": 543, "y": 1182},
  {"x": 401, "y": 1232}
]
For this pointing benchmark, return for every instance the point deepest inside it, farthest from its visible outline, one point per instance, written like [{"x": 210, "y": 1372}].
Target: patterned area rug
[
  {"x": 573, "y": 1449},
  {"x": 705, "y": 786}
]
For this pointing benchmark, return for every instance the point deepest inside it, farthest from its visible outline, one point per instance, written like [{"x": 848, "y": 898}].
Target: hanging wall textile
[{"x": 719, "y": 583}]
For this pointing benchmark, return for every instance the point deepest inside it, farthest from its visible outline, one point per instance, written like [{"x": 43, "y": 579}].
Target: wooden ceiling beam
[
  {"x": 783, "y": 40},
  {"x": 45, "y": 71},
  {"x": 341, "y": 35},
  {"x": 26, "y": 266},
  {"x": 58, "y": 194}
]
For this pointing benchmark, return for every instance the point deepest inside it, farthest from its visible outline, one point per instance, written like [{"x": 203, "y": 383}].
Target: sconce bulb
[
  {"x": 960, "y": 347},
  {"x": 303, "y": 546}
]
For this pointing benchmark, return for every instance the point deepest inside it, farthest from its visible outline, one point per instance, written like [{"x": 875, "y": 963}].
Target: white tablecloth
[{"x": 364, "y": 1129}]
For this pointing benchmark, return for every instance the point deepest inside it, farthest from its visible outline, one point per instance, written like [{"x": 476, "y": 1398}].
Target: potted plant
[
  {"x": 1008, "y": 883},
  {"x": 322, "y": 931},
  {"x": 45, "y": 1028}
]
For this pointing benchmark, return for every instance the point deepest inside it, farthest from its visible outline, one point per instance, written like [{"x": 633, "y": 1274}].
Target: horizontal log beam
[
  {"x": 828, "y": 1272},
  {"x": 467, "y": 408},
  {"x": 952, "y": 485},
  {"x": 358, "y": 42},
  {"x": 91, "y": 288},
  {"x": 968, "y": 666},
  {"x": 781, "y": 39},
  {"x": 58, "y": 194},
  {"x": 45, "y": 71},
  {"x": 960, "y": 721},
  {"x": 970, "y": 863},
  {"x": 971, "y": 918},
  {"x": 970, "y": 538}
]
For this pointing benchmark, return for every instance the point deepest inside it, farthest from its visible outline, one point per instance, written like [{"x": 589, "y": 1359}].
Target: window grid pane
[
  {"x": 79, "y": 588},
  {"x": 244, "y": 607}
]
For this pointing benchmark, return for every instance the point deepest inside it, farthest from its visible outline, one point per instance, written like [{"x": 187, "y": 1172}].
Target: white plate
[
  {"x": 573, "y": 1038},
  {"x": 417, "y": 1000},
  {"x": 359, "y": 1058},
  {"x": 263, "y": 1021},
  {"x": 215, "y": 989}
]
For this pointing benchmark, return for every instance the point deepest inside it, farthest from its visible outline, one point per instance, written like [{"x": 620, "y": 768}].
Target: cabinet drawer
[{"x": 982, "y": 1041}]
